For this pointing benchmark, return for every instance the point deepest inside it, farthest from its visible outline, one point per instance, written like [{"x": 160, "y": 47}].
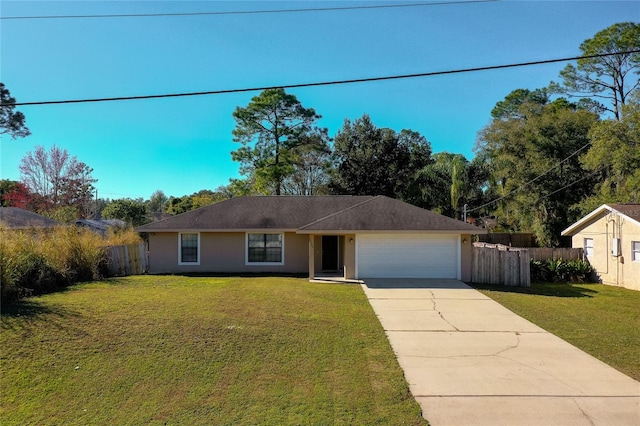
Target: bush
[
  {"x": 560, "y": 270},
  {"x": 36, "y": 262}
]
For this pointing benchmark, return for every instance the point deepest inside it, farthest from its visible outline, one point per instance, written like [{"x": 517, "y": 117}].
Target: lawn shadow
[
  {"x": 238, "y": 275},
  {"x": 33, "y": 311},
  {"x": 542, "y": 289}
]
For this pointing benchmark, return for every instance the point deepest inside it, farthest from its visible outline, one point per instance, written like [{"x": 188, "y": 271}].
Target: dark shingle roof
[
  {"x": 386, "y": 214},
  {"x": 309, "y": 214},
  {"x": 628, "y": 209},
  {"x": 262, "y": 212},
  {"x": 16, "y": 218}
]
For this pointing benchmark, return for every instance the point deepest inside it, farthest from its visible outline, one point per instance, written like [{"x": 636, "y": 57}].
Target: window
[
  {"x": 588, "y": 246},
  {"x": 189, "y": 249},
  {"x": 265, "y": 248},
  {"x": 635, "y": 251}
]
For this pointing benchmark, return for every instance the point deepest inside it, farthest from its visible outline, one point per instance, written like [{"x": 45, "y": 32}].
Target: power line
[
  {"x": 248, "y": 12},
  {"x": 513, "y": 191},
  {"x": 572, "y": 183},
  {"x": 325, "y": 83}
]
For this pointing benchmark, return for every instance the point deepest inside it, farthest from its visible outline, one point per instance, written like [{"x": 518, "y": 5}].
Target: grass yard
[
  {"x": 599, "y": 319},
  {"x": 200, "y": 351}
]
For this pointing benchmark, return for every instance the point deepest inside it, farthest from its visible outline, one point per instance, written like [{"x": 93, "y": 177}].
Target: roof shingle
[
  {"x": 16, "y": 218},
  {"x": 631, "y": 210},
  {"x": 311, "y": 213}
]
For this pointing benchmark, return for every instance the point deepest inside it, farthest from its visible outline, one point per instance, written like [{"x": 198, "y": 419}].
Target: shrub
[
  {"x": 36, "y": 262},
  {"x": 560, "y": 270}
]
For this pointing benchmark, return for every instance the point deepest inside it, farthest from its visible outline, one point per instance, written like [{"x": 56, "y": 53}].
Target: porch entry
[{"x": 330, "y": 253}]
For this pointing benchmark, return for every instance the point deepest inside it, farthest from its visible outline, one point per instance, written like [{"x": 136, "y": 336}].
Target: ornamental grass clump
[
  {"x": 122, "y": 236},
  {"x": 35, "y": 262}
]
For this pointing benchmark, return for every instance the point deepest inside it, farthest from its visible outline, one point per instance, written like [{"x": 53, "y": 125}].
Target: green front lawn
[
  {"x": 599, "y": 319},
  {"x": 185, "y": 350}
]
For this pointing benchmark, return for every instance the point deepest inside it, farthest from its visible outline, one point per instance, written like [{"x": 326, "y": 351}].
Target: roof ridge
[{"x": 373, "y": 197}]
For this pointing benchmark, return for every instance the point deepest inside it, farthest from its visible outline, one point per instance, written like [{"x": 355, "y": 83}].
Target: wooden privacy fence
[
  {"x": 501, "y": 265},
  {"x": 127, "y": 260},
  {"x": 545, "y": 253}
]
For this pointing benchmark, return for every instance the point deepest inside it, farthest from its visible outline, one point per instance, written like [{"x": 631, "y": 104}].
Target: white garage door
[{"x": 407, "y": 256}]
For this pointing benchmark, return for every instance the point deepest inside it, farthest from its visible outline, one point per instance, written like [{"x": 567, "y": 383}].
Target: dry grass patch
[{"x": 156, "y": 350}]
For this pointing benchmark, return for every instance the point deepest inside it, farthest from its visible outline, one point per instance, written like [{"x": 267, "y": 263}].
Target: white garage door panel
[{"x": 407, "y": 256}]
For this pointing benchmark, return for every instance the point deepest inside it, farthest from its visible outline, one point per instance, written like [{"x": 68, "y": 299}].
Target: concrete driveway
[{"x": 470, "y": 361}]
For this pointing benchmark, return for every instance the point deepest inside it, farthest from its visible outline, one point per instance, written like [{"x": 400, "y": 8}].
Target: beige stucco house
[
  {"x": 610, "y": 236},
  {"x": 348, "y": 237}
]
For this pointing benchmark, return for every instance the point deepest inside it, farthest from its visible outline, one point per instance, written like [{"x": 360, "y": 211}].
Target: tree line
[{"x": 547, "y": 156}]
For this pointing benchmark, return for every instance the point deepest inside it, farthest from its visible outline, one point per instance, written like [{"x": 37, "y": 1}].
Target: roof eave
[
  {"x": 187, "y": 230},
  {"x": 574, "y": 229},
  {"x": 387, "y": 231},
  {"x": 571, "y": 230}
]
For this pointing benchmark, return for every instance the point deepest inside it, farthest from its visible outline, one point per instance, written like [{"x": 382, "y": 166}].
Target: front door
[{"x": 329, "y": 253}]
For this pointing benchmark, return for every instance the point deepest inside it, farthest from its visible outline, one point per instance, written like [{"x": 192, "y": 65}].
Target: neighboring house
[
  {"x": 101, "y": 226},
  {"x": 610, "y": 237},
  {"x": 352, "y": 237},
  {"x": 16, "y": 218}
]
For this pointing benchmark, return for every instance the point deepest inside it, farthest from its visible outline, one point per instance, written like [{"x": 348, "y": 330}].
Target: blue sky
[{"x": 183, "y": 145}]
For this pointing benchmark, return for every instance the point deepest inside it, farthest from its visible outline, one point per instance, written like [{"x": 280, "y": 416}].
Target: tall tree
[
  {"x": 11, "y": 121},
  {"x": 510, "y": 107},
  {"x": 378, "y": 161},
  {"x": 615, "y": 157},
  {"x": 451, "y": 181},
  {"x": 311, "y": 168},
  {"x": 14, "y": 194},
  {"x": 131, "y": 211},
  {"x": 271, "y": 128},
  {"x": 202, "y": 198},
  {"x": 611, "y": 78},
  {"x": 413, "y": 191},
  {"x": 157, "y": 202},
  {"x": 532, "y": 158},
  {"x": 58, "y": 179}
]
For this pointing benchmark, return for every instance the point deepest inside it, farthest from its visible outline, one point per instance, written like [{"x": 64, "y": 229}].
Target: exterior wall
[
  {"x": 224, "y": 252},
  {"x": 347, "y": 254},
  {"x": 466, "y": 253},
  {"x": 317, "y": 245},
  {"x": 350, "y": 256},
  {"x": 613, "y": 270}
]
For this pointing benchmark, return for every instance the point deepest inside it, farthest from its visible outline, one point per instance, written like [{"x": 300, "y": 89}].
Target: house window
[
  {"x": 588, "y": 246},
  {"x": 635, "y": 251},
  {"x": 189, "y": 249},
  {"x": 265, "y": 248}
]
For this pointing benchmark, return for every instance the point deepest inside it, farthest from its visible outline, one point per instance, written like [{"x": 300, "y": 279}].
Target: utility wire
[
  {"x": 513, "y": 191},
  {"x": 325, "y": 83},
  {"x": 572, "y": 183},
  {"x": 248, "y": 12}
]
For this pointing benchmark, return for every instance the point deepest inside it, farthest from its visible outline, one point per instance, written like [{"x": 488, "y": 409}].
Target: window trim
[
  {"x": 585, "y": 247},
  {"x": 635, "y": 253},
  {"x": 246, "y": 249},
  {"x": 180, "y": 262}
]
